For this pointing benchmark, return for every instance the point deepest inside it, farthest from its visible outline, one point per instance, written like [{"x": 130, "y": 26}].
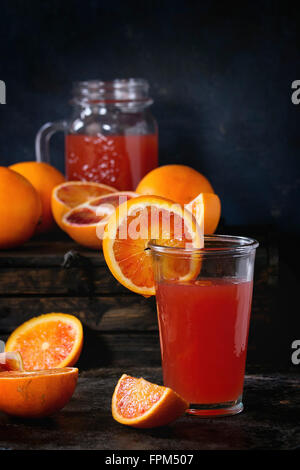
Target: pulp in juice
[{"x": 118, "y": 160}]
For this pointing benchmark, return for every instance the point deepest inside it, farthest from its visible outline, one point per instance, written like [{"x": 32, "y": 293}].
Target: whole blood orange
[
  {"x": 36, "y": 394},
  {"x": 48, "y": 341},
  {"x": 20, "y": 209},
  {"x": 180, "y": 183},
  {"x": 44, "y": 178},
  {"x": 142, "y": 404},
  {"x": 71, "y": 194}
]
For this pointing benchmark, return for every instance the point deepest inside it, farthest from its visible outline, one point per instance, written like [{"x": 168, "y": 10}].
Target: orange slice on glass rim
[
  {"x": 142, "y": 404},
  {"x": 206, "y": 208},
  {"x": 49, "y": 341},
  {"x": 85, "y": 223},
  {"x": 70, "y": 194},
  {"x": 129, "y": 231}
]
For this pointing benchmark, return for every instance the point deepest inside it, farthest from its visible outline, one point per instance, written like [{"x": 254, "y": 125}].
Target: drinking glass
[{"x": 203, "y": 303}]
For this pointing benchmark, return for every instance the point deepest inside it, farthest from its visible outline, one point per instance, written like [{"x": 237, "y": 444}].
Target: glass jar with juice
[{"x": 111, "y": 138}]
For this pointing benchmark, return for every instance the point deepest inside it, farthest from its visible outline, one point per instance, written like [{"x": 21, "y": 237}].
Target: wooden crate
[{"x": 120, "y": 327}]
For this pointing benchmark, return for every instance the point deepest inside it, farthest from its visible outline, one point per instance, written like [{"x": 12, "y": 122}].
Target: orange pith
[
  {"x": 36, "y": 394},
  {"x": 48, "y": 341},
  {"x": 71, "y": 194},
  {"x": 210, "y": 204},
  {"x": 142, "y": 404},
  {"x": 132, "y": 226},
  {"x": 85, "y": 223}
]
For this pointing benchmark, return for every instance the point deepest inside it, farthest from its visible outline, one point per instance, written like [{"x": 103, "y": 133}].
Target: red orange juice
[
  {"x": 117, "y": 160},
  {"x": 203, "y": 335}
]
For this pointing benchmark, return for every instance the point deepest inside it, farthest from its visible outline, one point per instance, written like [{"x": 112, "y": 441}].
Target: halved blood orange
[
  {"x": 49, "y": 341},
  {"x": 67, "y": 195},
  {"x": 36, "y": 394},
  {"x": 142, "y": 404},
  {"x": 11, "y": 361},
  {"x": 85, "y": 223},
  {"x": 206, "y": 207},
  {"x": 129, "y": 231}
]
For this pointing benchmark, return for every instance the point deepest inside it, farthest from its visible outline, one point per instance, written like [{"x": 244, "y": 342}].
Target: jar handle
[{"x": 42, "y": 139}]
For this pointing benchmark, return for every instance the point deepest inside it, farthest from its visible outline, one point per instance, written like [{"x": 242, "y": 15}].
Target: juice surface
[
  {"x": 203, "y": 335},
  {"x": 119, "y": 160}
]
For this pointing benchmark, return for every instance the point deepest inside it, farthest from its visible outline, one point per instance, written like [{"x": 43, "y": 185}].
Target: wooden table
[{"x": 270, "y": 420}]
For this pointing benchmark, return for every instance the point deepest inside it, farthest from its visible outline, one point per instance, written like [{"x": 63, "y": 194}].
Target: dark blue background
[{"x": 221, "y": 84}]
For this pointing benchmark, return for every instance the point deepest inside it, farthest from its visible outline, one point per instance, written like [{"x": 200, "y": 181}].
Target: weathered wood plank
[
  {"x": 49, "y": 253},
  {"x": 121, "y": 350},
  {"x": 62, "y": 267},
  {"x": 107, "y": 313},
  {"x": 110, "y": 321},
  {"x": 41, "y": 253},
  {"x": 77, "y": 281},
  {"x": 81, "y": 280}
]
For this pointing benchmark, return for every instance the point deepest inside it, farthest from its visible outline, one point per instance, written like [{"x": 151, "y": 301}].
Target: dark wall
[{"x": 221, "y": 85}]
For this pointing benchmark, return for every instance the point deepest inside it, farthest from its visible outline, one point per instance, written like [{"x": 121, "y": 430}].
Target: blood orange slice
[
  {"x": 206, "y": 208},
  {"x": 48, "y": 341},
  {"x": 142, "y": 404},
  {"x": 85, "y": 223},
  {"x": 67, "y": 195},
  {"x": 129, "y": 231}
]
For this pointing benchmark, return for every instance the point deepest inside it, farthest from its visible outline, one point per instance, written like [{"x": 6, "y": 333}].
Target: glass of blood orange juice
[
  {"x": 204, "y": 302},
  {"x": 111, "y": 137}
]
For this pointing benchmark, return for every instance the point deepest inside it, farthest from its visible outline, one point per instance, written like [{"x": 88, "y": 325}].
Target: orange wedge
[
  {"x": 67, "y": 195},
  {"x": 129, "y": 231},
  {"x": 36, "y": 394},
  {"x": 85, "y": 223},
  {"x": 206, "y": 207},
  {"x": 49, "y": 341},
  {"x": 142, "y": 404},
  {"x": 11, "y": 361}
]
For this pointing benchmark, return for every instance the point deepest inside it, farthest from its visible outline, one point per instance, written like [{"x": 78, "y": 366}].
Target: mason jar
[{"x": 111, "y": 137}]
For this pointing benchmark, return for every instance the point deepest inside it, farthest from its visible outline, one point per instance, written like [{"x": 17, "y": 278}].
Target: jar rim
[
  {"x": 113, "y": 83},
  {"x": 215, "y": 245},
  {"x": 118, "y": 90}
]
